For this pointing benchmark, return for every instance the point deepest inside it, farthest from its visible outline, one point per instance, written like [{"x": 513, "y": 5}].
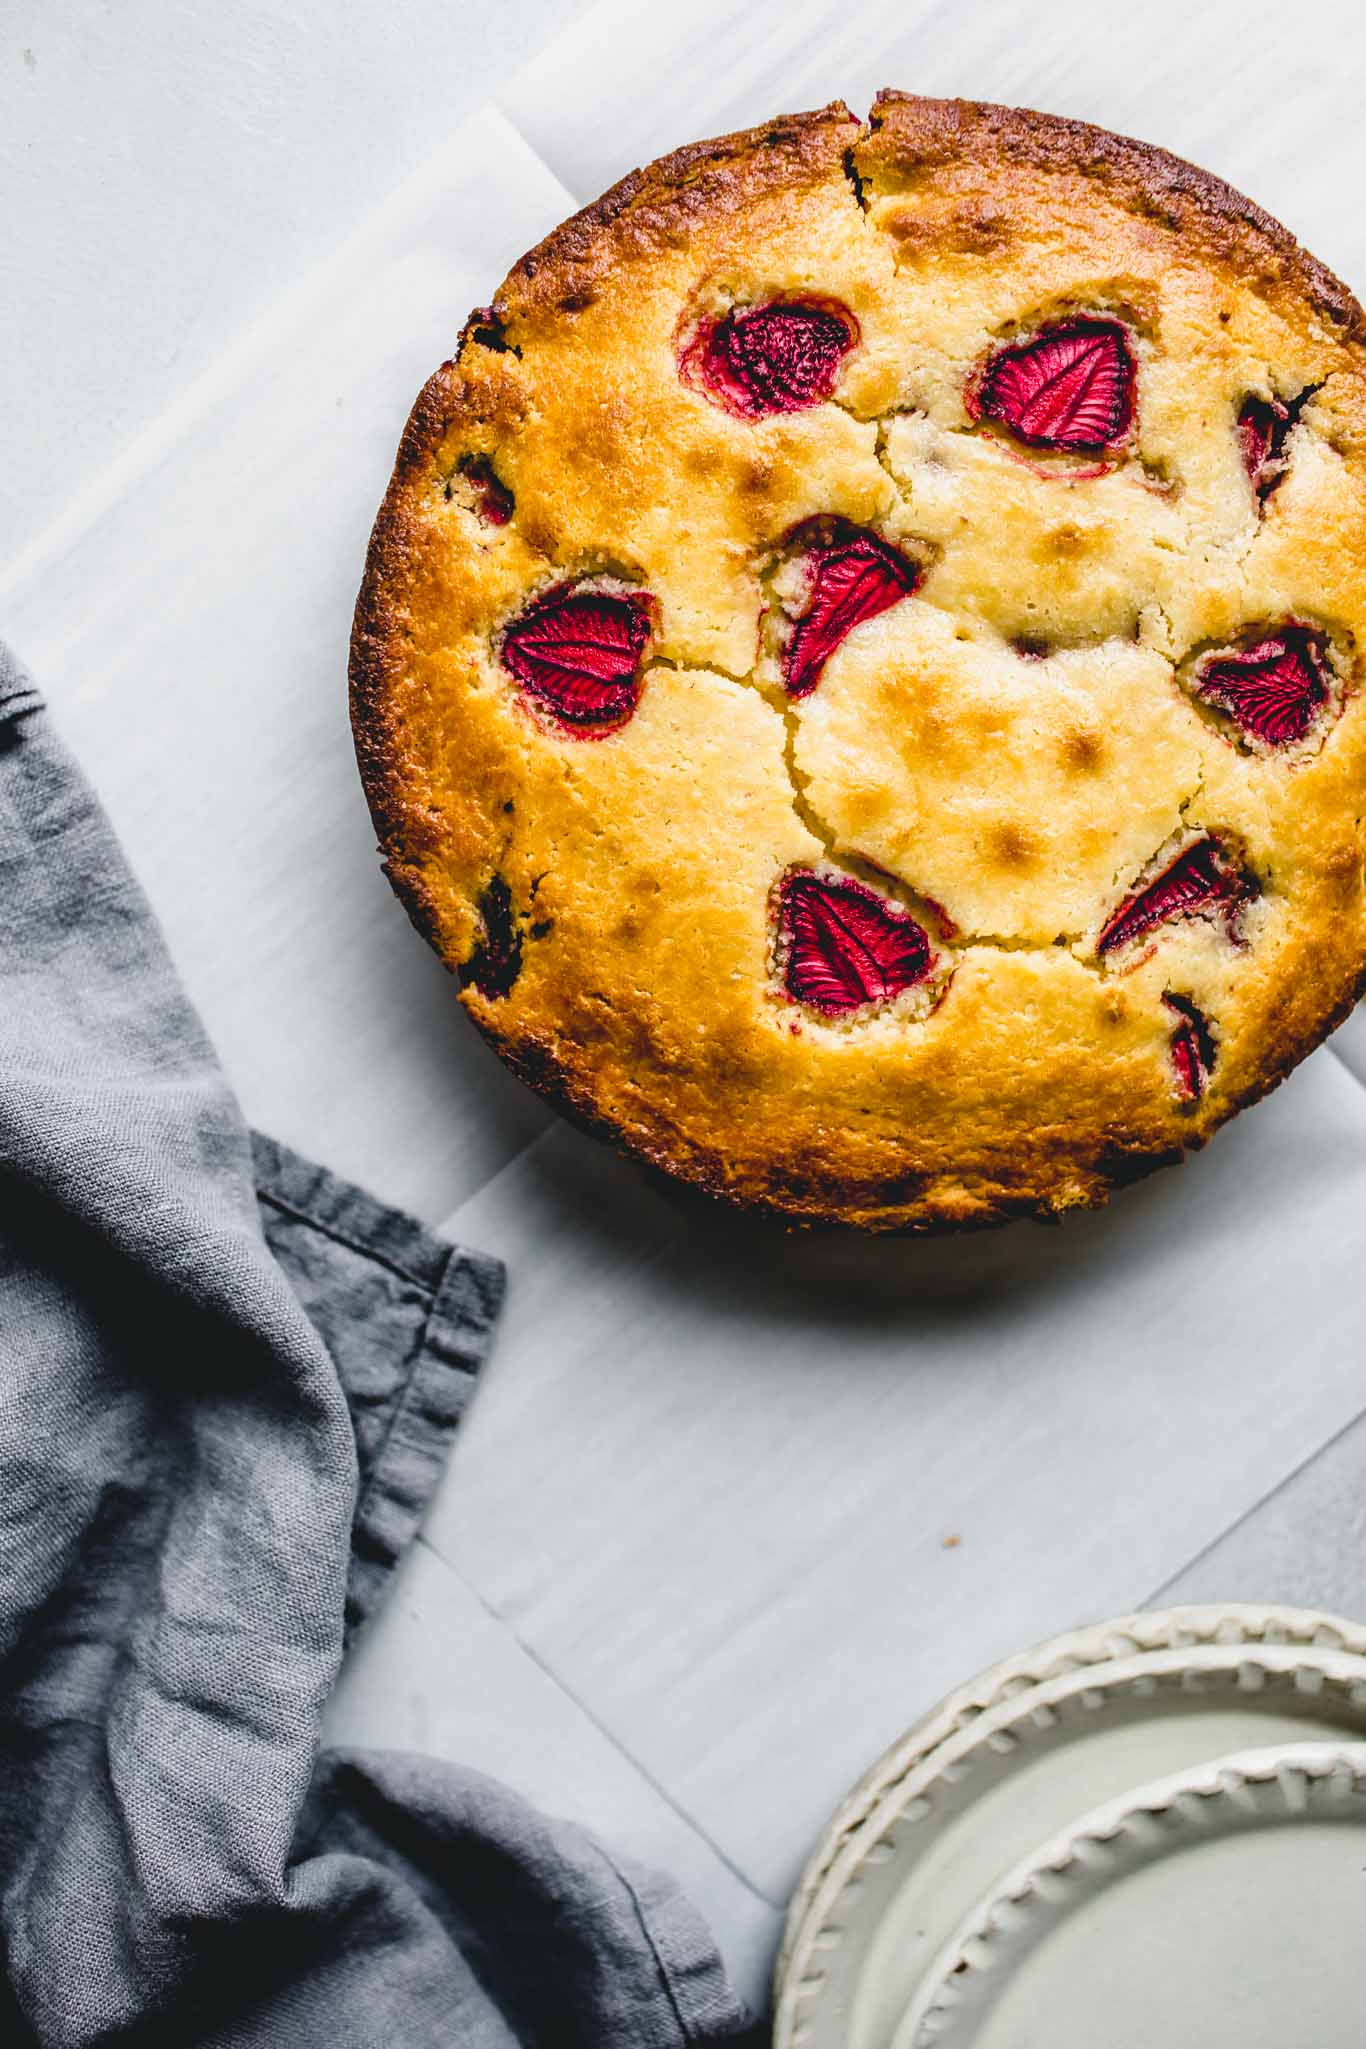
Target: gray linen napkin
[{"x": 227, "y": 1382}]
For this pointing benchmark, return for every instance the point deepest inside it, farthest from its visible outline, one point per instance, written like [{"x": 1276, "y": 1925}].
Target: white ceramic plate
[
  {"x": 1222, "y": 1907},
  {"x": 1126, "y": 1636},
  {"x": 1012, "y": 1758}
]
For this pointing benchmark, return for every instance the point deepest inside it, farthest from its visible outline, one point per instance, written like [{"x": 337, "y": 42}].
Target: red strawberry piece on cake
[
  {"x": 1264, "y": 426},
  {"x": 493, "y": 501},
  {"x": 1192, "y": 1047},
  {"x": 844, "y": 946},
  {"x": 852, "y": 575},
  {"x": 779, "y": 358},
  {"x": 1070, "y": 386},
  {"x": 577, "y": 651},
  {"x": 1202, "y": 880},
  {"x": 1272, "y": 691}
]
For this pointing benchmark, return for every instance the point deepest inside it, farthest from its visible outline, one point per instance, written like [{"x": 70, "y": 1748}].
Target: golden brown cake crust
[
  {"x": 1010, "y": 753},
  {"x": 913, "y": 135}
]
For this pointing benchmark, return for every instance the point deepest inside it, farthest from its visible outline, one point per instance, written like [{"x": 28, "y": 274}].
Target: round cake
[{"x": 858, "y": 667}]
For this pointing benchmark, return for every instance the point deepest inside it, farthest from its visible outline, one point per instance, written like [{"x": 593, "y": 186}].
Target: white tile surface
[
  {"x": 189, "y": 618},
  {"x": 693, "y": 1565},
  {"x": 744, "y": 1451},
  {"x": 169, "y": 167}
]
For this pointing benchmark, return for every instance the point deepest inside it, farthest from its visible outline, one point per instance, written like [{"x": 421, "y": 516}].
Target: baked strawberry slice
[
  {"x": 846, "y": 947},
  {"x": 852, "y": 575},
  {"x": 493, "y": 501},
  {"x": 783, "y": 357},
  {"x": 1264, "y": 426},
  {"x": 1071, "y": 386},
  {"x": 1202, "y": 880},
  {"x": 1272, "y": 691},
  {"x": 1192, "y": 1047},
  {"x": 576, "y": 651}
]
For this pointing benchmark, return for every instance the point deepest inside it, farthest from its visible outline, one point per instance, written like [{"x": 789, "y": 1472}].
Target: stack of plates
[{"x": 1147, "y": 1833}]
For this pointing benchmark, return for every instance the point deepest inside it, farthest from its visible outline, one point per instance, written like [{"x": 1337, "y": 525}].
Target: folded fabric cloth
[{"x": 227, "y": 1382}]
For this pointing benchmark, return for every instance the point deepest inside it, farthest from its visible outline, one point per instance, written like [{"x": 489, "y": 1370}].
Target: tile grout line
[
  {"x": 1156, "y": 1598},
  {"x": 1344, "y": 1062},
  {"x": 614, "y": 1742},
  {"x": 450, "y": 1226}
]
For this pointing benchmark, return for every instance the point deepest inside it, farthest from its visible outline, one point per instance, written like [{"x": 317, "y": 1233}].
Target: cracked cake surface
[{"x": 858, "y": 666}]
